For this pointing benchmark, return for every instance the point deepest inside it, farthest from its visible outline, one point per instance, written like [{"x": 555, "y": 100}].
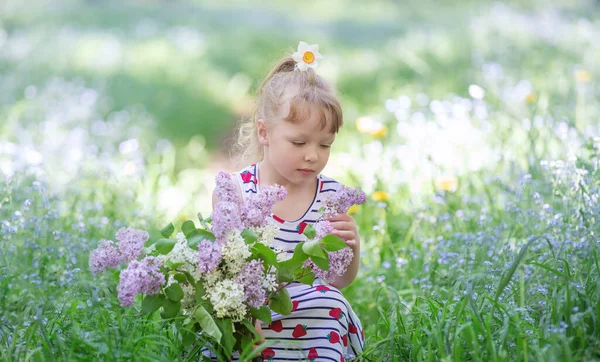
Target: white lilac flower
[
  {"x": 282, "y": 255},
  {"x": 227, "y": 299},
  {"x": 182, "y": 253},
  {"x": 269, "y": 282},
  {"x": 189, "y": 296},
  {"x": 267, "y": 233},
  {"x": 210, "y": 279},
  {"x": 235, "y": 252}
]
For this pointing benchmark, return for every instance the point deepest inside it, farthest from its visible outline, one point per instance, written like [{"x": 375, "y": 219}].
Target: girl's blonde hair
[{"x": 309, "y": 93}]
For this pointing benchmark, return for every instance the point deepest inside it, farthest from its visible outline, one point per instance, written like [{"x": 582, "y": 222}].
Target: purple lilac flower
[
  {"x": 323, "y": 228},
  {"x": 140, "y": 277},
  {"x": 131, "y": 242},
  {"x": 250, "y": 278},
  {"x": 225, "y": 218},
  {"x": 340, "y": 201},
  {"x": 209, "y": 256},
  {"x": 257, "y": 208},
  {"x": 105, "y": 256},
  {"x": 226, "y": 189},
  {"x": 338, "y": 264}
]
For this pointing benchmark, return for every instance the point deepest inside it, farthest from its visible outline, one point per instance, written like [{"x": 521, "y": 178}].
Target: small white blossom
[
  {"x": 235, "y": 252},
  {"x": 270, "y": 282},
  {"x": 227, "y": 298}
]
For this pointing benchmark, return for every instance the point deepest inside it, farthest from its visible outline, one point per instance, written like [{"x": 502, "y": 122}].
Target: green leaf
[
  {"x": 299, "y": 255},
  {"x": 190, "y": 278},
  {"x": 174, "y": 292},
  {"x": 268, "y": 255},
  {"x": 227, "y": 339},
  {"x": 180, "y": 277},
  {"x": 246, "y": 323},
  {"x": 509, "y": 273},
  {"x": 310, "y": 232},
  {"x": 246, "y": 343},
  {"x": 200, "y": 292},
  {"x": 313, "y": 248},
  {"x": 333, "y": 243},
  {"x": 167, "y": 230},
  {"x": 197, "y": 236},
  {"x": 194, "y": 241},
  {"x": 308, "y": 278},
  {"x": 322, "y": 263},
  {"x": 151, "y": 303},
  {"x": 170, "y": 308},
  {"x": 164, "y": 246},
  {"x": 207, "y": 323},
  {"x": 187, "y": 227},
  {"x": 263, "y": 313},
  {"x": 203, "y": 221},
  {"x": 187, "y": 336},
  {"x": 281, "y": 302},
  {"x": 295, "y": 261},
  {"x": 285, "y": 271},
  {"x": 249, "y": 236},
  {"x": 172, "y": 265}
]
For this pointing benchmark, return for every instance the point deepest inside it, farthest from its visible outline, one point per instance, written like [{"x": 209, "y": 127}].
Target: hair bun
[{"x": 286, "y": 65}]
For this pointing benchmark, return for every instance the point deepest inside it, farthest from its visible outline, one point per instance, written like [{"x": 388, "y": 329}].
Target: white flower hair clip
[{"x": 306, "y": 56}]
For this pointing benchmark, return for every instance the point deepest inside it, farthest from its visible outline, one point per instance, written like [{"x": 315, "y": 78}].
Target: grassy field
[{"x": 472, "y": 126}]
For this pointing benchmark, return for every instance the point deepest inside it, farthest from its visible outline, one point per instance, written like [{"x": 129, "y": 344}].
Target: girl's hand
[
  {"x": 345, "y": 228},
  {"x": 260, "y": 332}
]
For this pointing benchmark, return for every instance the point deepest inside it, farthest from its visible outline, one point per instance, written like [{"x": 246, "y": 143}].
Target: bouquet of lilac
[{"x": 213, "y": 282}]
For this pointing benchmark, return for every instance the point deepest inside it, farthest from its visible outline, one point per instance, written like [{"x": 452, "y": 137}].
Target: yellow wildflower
[
  {"x": 381, "y": 132},
  {"x": 380, "y": 196},
  {"x": 353, "y": 209},
  {"x": 449, "y": 183},
  {"x": 370, "y": 126},
  {"x": 531, "y": 98},
  {"x": 582, "y": 76}
]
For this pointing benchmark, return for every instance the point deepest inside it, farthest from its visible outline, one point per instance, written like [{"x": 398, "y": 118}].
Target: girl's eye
[
  {"x": 298, "y": 143},
  {"x": 326, "y": 146}
]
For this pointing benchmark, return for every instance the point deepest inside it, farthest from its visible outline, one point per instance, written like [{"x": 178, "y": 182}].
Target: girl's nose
[{"x": 311, "y": 156}]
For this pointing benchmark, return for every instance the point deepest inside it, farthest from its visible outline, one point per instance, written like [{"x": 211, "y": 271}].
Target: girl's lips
[{"x": 305, "y": 171}]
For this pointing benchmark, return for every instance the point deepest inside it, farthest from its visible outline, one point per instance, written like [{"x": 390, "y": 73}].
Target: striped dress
[{"x": 322, "y": 325}]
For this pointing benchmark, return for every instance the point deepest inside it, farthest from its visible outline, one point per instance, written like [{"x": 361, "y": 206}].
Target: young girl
[{"x": 288, "y": 142}]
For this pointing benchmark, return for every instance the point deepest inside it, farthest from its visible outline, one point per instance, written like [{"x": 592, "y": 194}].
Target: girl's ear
[{"x": 263, "y": 135}]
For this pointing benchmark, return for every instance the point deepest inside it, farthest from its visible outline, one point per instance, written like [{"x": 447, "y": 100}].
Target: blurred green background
[{"x": 193, "y": 65}]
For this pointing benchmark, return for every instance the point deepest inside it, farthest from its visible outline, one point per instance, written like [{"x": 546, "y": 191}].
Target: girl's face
[{"x": 298, "y": 152}]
